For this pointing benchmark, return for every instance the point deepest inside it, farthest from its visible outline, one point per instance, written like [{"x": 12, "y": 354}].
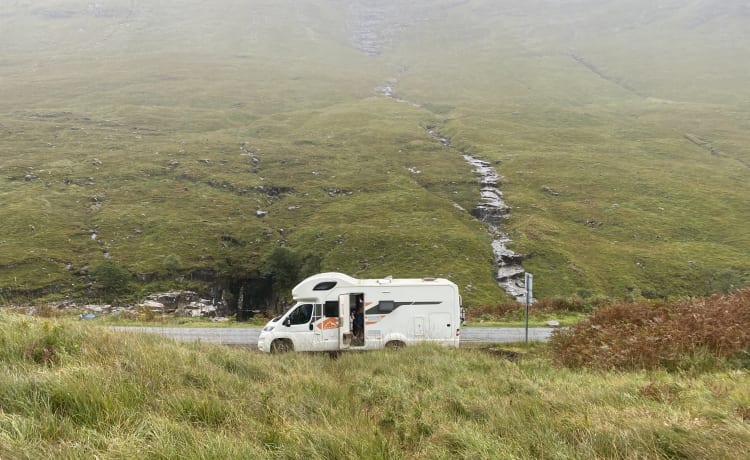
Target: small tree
[
  {"x": 110, "y": 279},
  {"x": 172, "y": 264},
  {"x": 309, "y": 265},
  {"x": 286, "y": 268},
  {"x": 281, "y": 267}
]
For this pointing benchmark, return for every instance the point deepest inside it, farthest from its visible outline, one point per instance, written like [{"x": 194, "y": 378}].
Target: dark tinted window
[
  {"x": 324, "y": 286},
  {"x": 331, "y": 309},
  {"x": 386, "y": 306}
]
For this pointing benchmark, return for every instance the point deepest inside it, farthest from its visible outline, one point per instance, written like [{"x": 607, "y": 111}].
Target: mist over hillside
[{"x": 186, "y": 141}]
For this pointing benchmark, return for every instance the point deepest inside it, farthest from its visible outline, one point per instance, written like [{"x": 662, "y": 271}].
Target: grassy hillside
[
  {"x": 76, "y": 391},
  {"x": 152, "y": 134},
  {"x": 634, "y": 113}
]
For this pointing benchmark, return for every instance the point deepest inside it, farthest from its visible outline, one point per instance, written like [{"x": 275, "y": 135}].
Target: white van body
[{"x": 396, "y": 313}]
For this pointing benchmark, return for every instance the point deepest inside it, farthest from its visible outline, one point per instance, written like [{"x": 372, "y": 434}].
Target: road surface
[{"x": 249, "y": 336}]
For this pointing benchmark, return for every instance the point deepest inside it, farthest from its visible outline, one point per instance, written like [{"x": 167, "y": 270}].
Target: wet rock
[
  {"x": 96, "y": 308},
  {"x": 386, "y": 90},
  {"x": 98, "y": 198},
  {"x": 170, "y": 301},
  {"x": 230, "y": 240},
  {"x": 515, "y": 287},
  {"x": 509, "y": 272},
  {"x": 181, "y": 304},
  {"x": 273, "y": 191},
  {"x": 145, "y": 277},
  {"x": 550, "y": 192},
  {"x": 492, "y": 208},
  {"x": 254, "y": 160},
  {"x": 335, "y": 191},
  {"x": 153, "y": 305}
]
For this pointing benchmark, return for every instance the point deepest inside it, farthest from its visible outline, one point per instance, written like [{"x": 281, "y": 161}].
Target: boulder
[{"x": 156, "y": 307}]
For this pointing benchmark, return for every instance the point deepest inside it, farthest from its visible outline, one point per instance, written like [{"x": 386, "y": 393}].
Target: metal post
[{"x": 529, "y": 280}]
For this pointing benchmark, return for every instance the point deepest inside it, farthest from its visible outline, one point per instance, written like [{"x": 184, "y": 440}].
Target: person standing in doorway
[{"x": 359, "y": 320}]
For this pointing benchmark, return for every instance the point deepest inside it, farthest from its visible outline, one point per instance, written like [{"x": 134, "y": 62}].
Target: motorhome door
[{"x": 345, "y": 327}]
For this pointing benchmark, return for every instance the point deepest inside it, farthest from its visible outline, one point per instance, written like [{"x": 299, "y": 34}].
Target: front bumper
[{"x": 264, "y": 343}]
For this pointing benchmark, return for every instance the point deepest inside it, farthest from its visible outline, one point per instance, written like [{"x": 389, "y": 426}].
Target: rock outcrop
[{"x": 182, "y": 303}]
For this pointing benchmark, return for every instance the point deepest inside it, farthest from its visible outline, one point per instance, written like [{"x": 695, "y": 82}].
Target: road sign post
[{"x": 529, "y": 283}]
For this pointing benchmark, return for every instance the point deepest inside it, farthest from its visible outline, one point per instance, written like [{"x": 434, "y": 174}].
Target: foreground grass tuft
[{"x": 115, "y": 395}]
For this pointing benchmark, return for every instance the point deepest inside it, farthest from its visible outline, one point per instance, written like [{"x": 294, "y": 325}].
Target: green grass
[
  {"x": 518, "y": 319},
  {"x": 99, "y": 106},
  {"x": 97, "y": 393}
]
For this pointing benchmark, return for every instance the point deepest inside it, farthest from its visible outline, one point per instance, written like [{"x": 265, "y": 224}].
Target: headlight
[{"x": 268, "y": 328}]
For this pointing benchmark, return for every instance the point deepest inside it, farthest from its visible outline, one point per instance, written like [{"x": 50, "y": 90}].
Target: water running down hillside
[
  {"x": 491, "y": 210},
  {"x": 373, "y": 26}
]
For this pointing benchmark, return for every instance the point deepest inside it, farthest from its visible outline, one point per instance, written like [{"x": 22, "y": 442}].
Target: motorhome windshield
[{"x": 300, "y": 314}]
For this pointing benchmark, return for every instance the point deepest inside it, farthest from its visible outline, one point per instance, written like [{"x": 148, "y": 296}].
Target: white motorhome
[{"x": 334, "y": 311}]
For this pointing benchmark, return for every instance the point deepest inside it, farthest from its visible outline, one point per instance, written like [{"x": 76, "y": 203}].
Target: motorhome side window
[
  {"x": 386, "y": 306},
  {"x": 301, "y": 314},
  {"x": 331, "y": 309}
]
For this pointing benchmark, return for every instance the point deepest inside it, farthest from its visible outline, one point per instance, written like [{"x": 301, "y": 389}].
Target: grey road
[{"x": 249, "y": 336}]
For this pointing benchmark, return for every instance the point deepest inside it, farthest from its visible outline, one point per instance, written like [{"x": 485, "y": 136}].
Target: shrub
[
  {"x": 512, "y": 310},
  {"x": 172, "y": 264},
  {"x": 670, "y": 336},
  {"x": 45, "y": 344},
  {"x": 492, "y": 312},
  {"x": 49, "y": 311},
  {"x": 41, "y": 353},
  {"x": 110, "y": 278},
  {"x": 559, "y": 304}
]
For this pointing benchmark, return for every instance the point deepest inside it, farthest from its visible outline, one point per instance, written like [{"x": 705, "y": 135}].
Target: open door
[{"x": 345, "y": 327}]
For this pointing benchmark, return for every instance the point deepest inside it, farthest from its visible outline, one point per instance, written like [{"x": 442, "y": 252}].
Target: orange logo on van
[
  {"x": 372, "y": 319},
  {"x": 328, "y": 323}
]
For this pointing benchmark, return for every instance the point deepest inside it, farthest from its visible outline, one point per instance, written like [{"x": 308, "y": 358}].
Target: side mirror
[
  {"x": 287, "y": 322},
  {"x": 311, "y": 326}
]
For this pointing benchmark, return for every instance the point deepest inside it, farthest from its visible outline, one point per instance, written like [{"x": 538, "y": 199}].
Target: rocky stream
[
  {"x": 375, "y": 25},
  {"x": 492, "y": 210}
]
